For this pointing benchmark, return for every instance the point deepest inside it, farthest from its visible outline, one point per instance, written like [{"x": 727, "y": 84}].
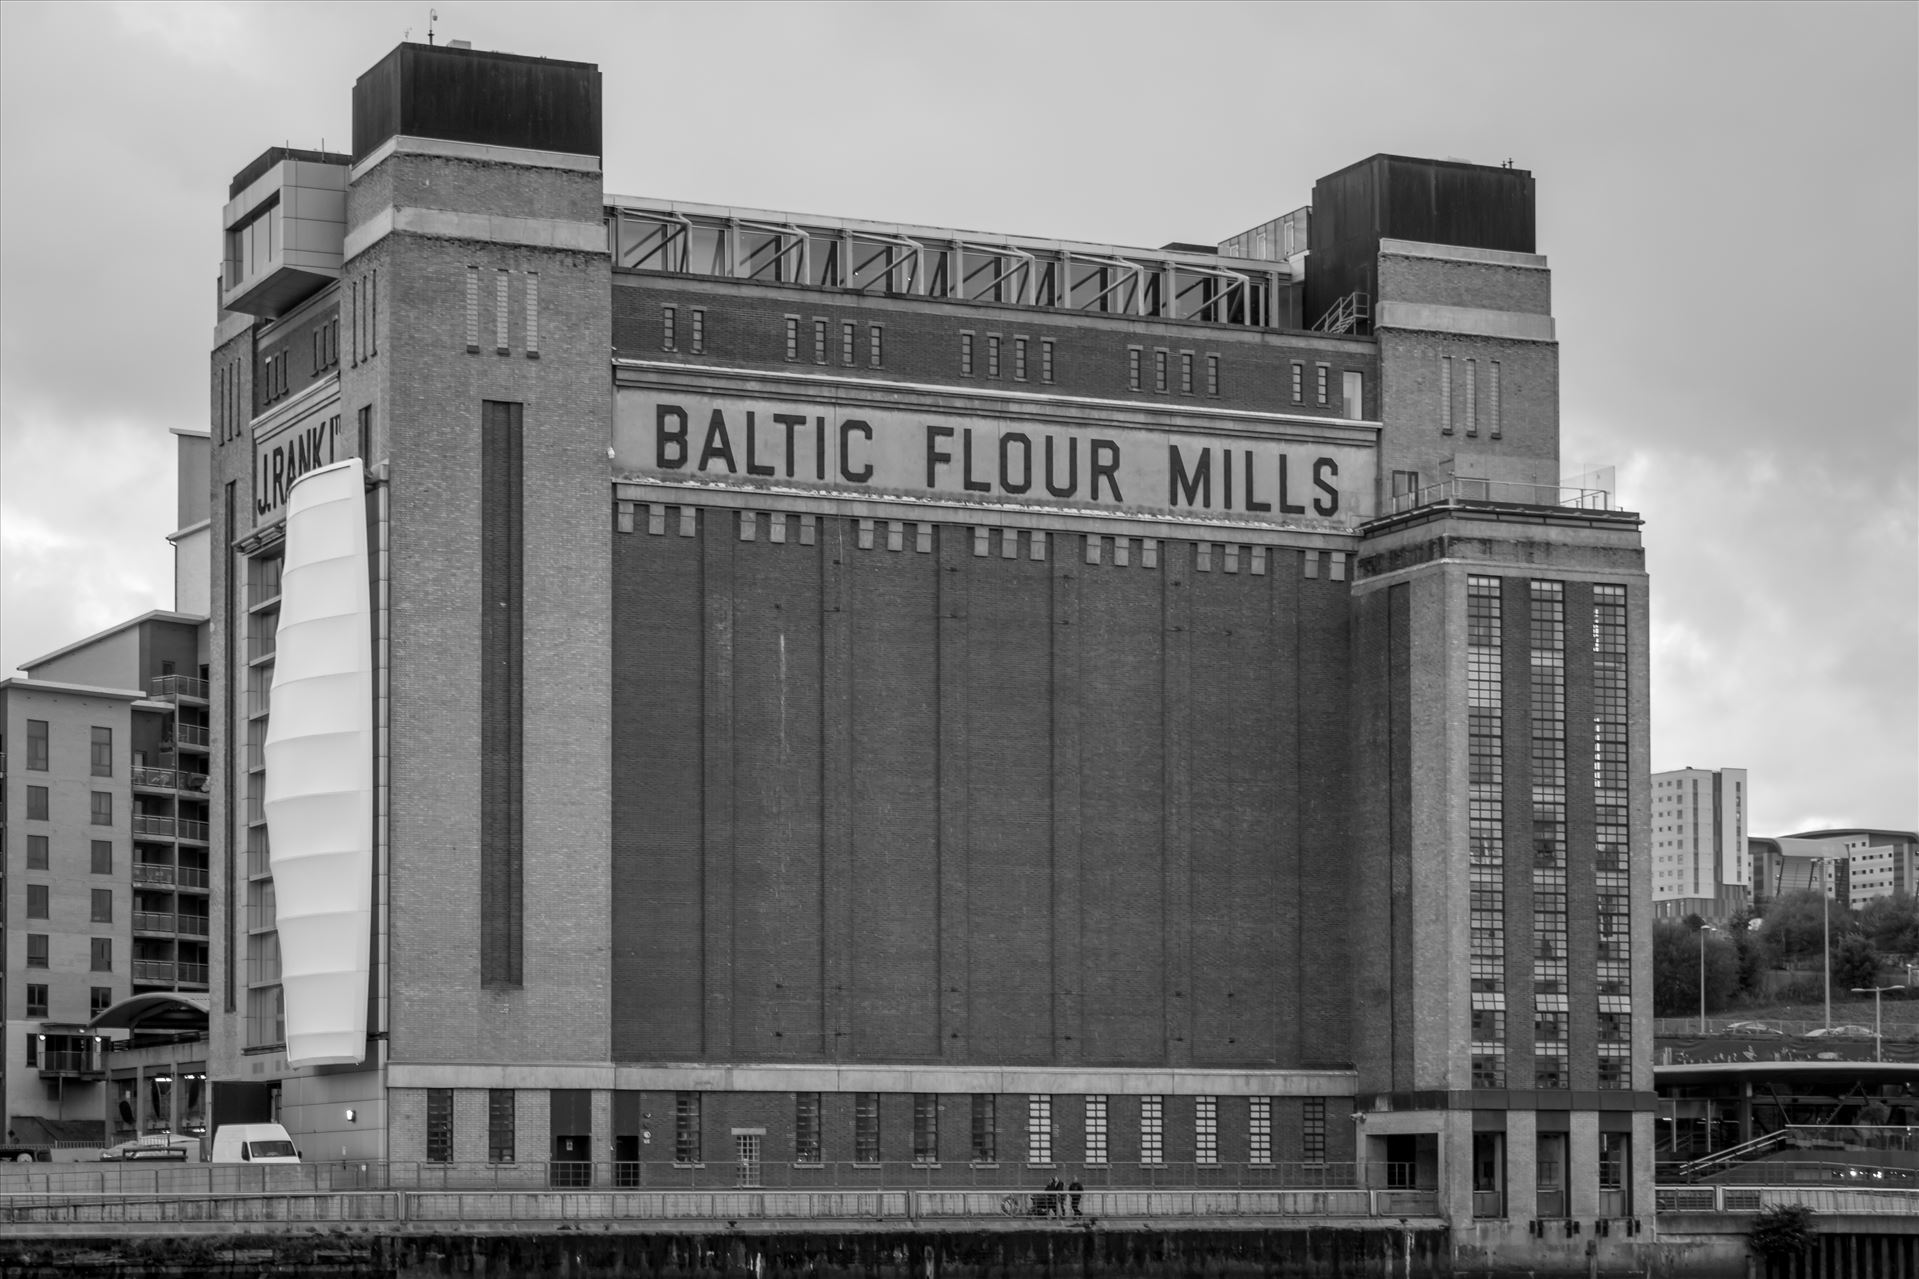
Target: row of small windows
[
  {"x": 994, "y": 363},
  {"x": 695, "y": 329},
  {"x": 1162, "y": 362},
  {"x": 40, "y": 748},
  {"x": 848, "y": 352},
  {"x": 39, "y": 806},
  {"x": 100, "y": 998},
  {"x": 326, "y": 347},
  {"x": 102, "y": 952},
  {"x": 981, "y": 1132}
]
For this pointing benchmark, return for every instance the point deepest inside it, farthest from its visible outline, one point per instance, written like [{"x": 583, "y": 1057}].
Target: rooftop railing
[{"x": 1460, "y": 490}]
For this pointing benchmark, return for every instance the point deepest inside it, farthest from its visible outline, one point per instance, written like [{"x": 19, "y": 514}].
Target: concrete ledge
[{"x": 1432, "y": 317}]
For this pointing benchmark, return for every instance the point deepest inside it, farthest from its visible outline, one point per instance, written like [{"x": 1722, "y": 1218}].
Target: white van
[{"x": 254, "y": 1144}]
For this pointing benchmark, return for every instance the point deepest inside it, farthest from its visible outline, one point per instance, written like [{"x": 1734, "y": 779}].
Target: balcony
[
  {"x": 154, "y": 972},
  {"x": 153, "y": 921},
  {"x": 71, "y": 1063},
  {"x": 148, "y": 824},
  {"x": 155, "y": 873},
  {"x": 192, "y": 974},
  {"x": 192, "y": 830},
  {"x": 192, "y": 877},
  {"x": 191, "y": 926},
  {"x": 165, "y": 779},
  {"x": 195, "y": 783},
  {"x": 192, "y": 735},
  {"x": 177, "y": 688}
]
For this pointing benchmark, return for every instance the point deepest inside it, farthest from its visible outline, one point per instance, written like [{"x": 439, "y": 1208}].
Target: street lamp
[
  {"x": 1878, "y": 1044},
  {"x": 1703, "y": 930}
]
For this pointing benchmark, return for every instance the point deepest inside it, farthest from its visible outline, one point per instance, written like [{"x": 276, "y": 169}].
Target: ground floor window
[
  {"x": 439, "y": 1125},
  {"x": 1152, "y": 1130},
  {"x": 499, "y": 1125}
]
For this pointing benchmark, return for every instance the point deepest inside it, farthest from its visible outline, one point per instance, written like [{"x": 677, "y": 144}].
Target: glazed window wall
[
  {"x": 1547, "y": 663},
  {"x": 1612, "y": 852},
  {"x": 265, "y": 1007},
  {"x": 1485, "y": 711}
]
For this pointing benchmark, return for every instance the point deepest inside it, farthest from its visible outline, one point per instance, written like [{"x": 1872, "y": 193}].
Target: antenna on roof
[{"x": 432, "y": 16}]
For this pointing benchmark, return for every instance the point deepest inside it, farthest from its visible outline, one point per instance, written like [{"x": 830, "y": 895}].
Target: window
[
  {"x": 985, "y": 1128},
  {"x": 992, "y": 355},
  {"x": 1612, "y": 1072},
  {"x": 819, "y": 341},
  {"x": 669, "y": 324},
  {"x": 1019, "y": 359},
  {"x": 366, "y": 432},
  {"x": 1039, "y": 1129},
  {"x": 926, "y": 1128},
  {"x": 1445, "y": 395},
  {"x": 439, "y": 1125},
  {"x": 1312, "y": 1131},
  {"x": 103, "y": 905},
  {"x": 36, "y": 950},
  {"x": 866, "y": 1127},
  {"x": 37, "y": 803},
  {"x": 1185, "y": 372},
  {"x": 1206, "y": 1130},
  {"x": 499, "y": 1125},
  {"x": 698, "y": 334},
  {"x": 1133, "y": 357},
  {"x": 102, "y": 752},
  {"x": 1352, "y": 394},
  {"x": 686, "y": 1128},
  {"x": 1046, "y": 359},
  {"x": 873, "y": 335},
  {"x": 37, "y": 1001},
  {"x": 1152, "y": 1133},
  {"x": 1212, "y": 375},
  {"x": 1259, "y": 1131},
  {"x": 100, "y": 998},
  {"x": 1096, "y": 1129},
  {"x": 847, "y": 343},
  {"x": 102, "y": 808},
  {"x": 792, "y": 337},
  {"x": 1321, "y": 375},
  {"x": 102, "y": 954},
  {"x": 806, "y": 1128},
  {"x": 103, "y": 857},
  {"x": 37, "y": 852},
  {"x": 1615, "y": 1200},
  {"x": 966, "y": 355},
  {"x": 37, "y": 901},
  {"x": 37, "y": 746},
  {"x": 1299, "y": 382},
  {"x": 1159, "y": 370}
]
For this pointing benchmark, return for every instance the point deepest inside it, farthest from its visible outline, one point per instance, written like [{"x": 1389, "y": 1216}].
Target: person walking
[{"x": 1075, "y": 1189}]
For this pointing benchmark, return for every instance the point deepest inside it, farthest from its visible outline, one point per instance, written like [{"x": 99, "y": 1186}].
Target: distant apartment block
[{"x": 1700, "y": 859}]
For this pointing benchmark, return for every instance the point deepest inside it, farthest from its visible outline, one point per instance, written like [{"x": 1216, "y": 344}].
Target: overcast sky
[{"x": 1728, "y": 196}]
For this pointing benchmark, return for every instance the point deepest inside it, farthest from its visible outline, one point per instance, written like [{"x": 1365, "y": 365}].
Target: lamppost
[
  {"x": 1878, "y": 1044},
  {"x": 1703, "y": 930}
]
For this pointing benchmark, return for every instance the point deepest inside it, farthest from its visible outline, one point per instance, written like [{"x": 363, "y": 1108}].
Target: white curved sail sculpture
[{"x": 319, "y": 768}]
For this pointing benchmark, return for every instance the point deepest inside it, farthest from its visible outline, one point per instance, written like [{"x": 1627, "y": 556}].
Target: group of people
[{"x": 1053, "y": 1202}]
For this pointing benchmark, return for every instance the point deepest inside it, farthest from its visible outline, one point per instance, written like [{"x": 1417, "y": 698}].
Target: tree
[
  {"x": 1783, "y": 1231},
  {"x": 1675, "y": 970},
  {"x": 1752, "y": 960},
  {"x": 1854, "y": 963},
  {"x": 1892, "y": 924},
  {"x": 1793, "y": 925}
]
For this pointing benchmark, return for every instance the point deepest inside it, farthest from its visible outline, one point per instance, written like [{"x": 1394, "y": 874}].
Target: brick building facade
[{"x": 853, "y": 694}]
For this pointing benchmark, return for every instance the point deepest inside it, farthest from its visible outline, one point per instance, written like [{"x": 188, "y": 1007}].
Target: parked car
[
  {"x": 160, "y": 1147},
  {"x": 1753, "y": 1028},
  {"x": 1840, "y": 1032},
  {"x": 25, "y": 1154}
]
